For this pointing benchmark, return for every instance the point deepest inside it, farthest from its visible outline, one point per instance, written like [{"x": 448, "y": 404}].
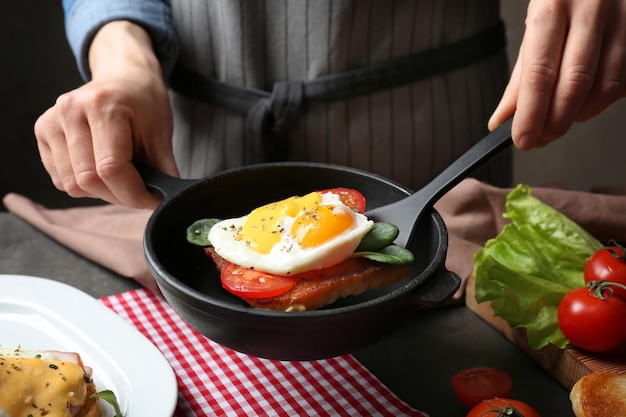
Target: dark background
[{"x": 37, "y": 66}]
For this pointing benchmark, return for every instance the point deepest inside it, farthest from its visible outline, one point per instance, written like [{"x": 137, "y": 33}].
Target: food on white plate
[
  {"x": 47, "y": 383},
  {"x": 303, "y": 252},
  {"x": 599, "y": 394}
]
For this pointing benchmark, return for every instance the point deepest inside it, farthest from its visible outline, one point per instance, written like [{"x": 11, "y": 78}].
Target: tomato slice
[
  {"x": 473, "y": 385},
  {"x": 350, "y": 197},
  {"x": 250, "y": 283}
]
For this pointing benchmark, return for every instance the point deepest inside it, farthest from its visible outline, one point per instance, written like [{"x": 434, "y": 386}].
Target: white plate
[{"x": 38, "y": 313}]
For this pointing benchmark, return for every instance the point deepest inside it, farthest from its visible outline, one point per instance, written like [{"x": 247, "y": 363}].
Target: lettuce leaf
[{"x": 527, "y": 269}]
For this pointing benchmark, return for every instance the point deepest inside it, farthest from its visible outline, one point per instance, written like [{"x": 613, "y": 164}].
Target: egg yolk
[
  {"x": 313, "y": 223},
  {"x": 315, "y": 228}
]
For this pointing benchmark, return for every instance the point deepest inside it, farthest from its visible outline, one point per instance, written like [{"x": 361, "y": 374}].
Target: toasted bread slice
[
  {"x": 600, "y": 394},
  {"x": 319, "y": 288},
  {"x": 91, "y": 408}
]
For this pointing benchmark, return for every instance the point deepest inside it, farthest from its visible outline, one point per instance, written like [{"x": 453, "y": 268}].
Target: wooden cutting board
[{"x": 566, "y": 365}]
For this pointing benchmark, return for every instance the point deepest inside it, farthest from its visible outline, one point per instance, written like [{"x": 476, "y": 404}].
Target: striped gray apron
[{"x": 400, "y": 88}]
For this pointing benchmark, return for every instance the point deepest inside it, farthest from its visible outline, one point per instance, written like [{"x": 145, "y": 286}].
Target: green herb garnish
[
  {"x": 109, "y": 397},
  {"x": 380, "y": 236},
  {"x": 198, "y": 232},
  {"x": 392, "y": 254}
]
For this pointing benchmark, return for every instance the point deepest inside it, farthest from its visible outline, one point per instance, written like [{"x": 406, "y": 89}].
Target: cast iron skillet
[{"x": 190, "y": 282}]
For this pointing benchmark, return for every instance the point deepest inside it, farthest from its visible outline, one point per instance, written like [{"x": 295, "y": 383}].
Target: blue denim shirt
[{"x": 83, "y": 18}]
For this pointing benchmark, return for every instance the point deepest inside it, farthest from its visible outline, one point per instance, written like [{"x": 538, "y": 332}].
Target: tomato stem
[
  {"x": 604, "y": 289},
  {"x": 504, "y": 410},
  {"x": 616, "y": 254}
]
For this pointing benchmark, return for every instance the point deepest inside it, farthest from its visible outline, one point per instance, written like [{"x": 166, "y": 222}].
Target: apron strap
[{"x": 270, "y": 115}]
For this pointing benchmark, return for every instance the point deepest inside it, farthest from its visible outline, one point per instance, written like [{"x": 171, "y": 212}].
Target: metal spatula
[{"x": 407, "y": 212}]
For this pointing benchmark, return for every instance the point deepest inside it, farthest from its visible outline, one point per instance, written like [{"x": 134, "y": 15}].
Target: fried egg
[{"x": 294, "y": 235}]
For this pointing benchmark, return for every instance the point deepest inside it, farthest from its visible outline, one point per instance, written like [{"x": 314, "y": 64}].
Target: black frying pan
[{"x": 190, "y": 282}]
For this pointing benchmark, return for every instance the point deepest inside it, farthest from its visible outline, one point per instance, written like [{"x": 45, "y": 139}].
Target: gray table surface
[{"x": 416, "y": 361}]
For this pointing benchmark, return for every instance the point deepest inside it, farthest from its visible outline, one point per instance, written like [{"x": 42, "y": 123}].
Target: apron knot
[
  {"x": 269, "y": 120},
  {"x": 269, "y": 116}
]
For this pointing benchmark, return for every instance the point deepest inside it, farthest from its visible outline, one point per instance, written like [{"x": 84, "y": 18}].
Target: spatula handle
[{"x": 472, "y": 159}]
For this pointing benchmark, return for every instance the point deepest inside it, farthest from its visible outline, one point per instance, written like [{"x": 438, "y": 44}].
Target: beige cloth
[
  {"x": 112, "y": 236},
  {"x": 108, "y": 235}
]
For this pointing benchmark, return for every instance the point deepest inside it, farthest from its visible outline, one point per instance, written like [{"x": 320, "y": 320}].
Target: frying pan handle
[
  {"x": 160, "y": 183},
  {"x": 437, "y": 289}
]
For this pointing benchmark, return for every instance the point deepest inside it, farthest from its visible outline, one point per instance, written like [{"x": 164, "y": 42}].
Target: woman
[{"x": 399, "y": 88}]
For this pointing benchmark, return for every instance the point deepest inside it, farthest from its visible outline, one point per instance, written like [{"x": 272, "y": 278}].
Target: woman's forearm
[{"x": 122, "y": 48}]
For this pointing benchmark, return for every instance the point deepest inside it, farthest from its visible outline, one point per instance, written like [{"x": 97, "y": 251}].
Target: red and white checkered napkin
[{"x": 213, "y": 380}]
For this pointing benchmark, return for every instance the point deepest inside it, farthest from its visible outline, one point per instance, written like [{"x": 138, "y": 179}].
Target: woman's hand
[
  {"x": 89, "y": 138},
  {"x": 571, "y": 66}
]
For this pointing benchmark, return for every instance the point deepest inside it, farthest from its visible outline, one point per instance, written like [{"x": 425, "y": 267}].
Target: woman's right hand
[
  {"x": 89, "y": 138},
  {"x": 571, "y": 66}
]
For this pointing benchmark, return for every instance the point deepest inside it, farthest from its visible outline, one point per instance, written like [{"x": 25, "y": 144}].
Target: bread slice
[
  {"x": 319, "y": 288},
  {"x": 91, "y": 408},
  {"x": 599, "y": 394}
]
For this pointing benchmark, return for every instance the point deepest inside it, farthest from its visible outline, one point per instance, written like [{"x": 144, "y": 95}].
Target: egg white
[
  {"x": 28, "y": 353},
  {"x": 288, "y": 257}
]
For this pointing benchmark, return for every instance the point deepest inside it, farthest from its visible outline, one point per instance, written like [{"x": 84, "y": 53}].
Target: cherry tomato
[
  {"x": 350, "y": 197},
  {"x": 592, "y": 318},
  {"x": 476, "y": 384},
  {"x": 608, "y": 264},
  {"x": 502, "y": 407},
  {"x": 249, "y": 283}
]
